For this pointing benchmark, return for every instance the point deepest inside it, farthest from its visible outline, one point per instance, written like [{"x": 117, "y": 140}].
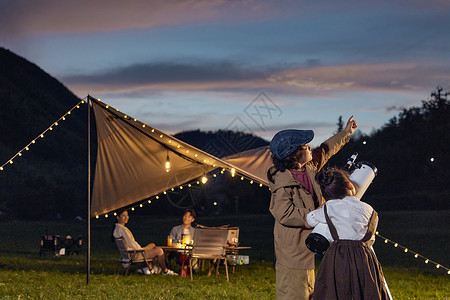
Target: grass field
[{"x": 26, "y": 275}]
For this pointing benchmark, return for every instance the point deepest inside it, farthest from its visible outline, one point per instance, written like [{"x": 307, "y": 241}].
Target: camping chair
[
  {"x": 210, "y": 243},
  {"x": 132, "y": 257}
]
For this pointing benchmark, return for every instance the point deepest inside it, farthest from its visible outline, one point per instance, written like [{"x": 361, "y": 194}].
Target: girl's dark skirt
[{"x": 350, "y": 270}]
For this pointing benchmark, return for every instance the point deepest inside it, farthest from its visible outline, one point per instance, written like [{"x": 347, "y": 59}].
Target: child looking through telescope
[{"x": 349, "y": 268}]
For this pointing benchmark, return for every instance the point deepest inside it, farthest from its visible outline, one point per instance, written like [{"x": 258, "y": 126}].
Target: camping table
[
  {"x": 184, "y": 250},
  {"x": 234, "y": 250}
]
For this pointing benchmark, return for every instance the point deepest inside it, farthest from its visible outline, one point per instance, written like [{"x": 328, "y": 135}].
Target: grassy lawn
[{"x": 26, "y": 275}]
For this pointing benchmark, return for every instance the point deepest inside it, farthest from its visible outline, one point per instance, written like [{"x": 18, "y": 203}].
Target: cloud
[
  {"x": 312, "y": 81},
  {"x": 24, "y": 18}
]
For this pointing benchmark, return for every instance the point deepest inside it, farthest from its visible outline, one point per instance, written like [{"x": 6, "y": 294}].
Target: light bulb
[
  {"x": 204, "y": 179},
  {"x": 167, "y": 163},
  {"x": 233, "y": 172}
]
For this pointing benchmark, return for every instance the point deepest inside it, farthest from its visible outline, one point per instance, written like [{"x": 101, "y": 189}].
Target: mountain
[{"x": 46, "y": 181}]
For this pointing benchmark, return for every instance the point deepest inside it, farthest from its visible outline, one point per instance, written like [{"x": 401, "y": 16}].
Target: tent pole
[{"x": 88, "y": 256}]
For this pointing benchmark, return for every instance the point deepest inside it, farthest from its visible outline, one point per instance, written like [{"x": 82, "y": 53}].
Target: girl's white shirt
[
  {"x": 122, "y": 231},
  {"x": 349, "y": 215}
]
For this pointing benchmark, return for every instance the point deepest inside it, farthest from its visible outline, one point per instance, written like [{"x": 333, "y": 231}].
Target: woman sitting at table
[{"x": 151, "y": 251}]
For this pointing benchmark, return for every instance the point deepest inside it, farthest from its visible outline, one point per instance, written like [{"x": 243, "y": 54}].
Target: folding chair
[
  {"x": 132, "y": 257},
  {"x": 210, "y": 243}
]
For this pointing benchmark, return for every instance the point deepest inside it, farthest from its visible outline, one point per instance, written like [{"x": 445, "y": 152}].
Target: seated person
[
  {"x": 151, "y": 251},
  {"x": 186, "y": 228}
]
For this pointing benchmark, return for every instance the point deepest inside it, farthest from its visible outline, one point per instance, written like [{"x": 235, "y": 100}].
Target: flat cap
[{"x": 287, "y": 141}]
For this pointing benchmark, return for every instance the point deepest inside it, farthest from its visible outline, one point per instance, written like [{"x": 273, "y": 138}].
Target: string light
[
  {"x": 416, "y": 255},
  {"x": 167, "y": 162},
  {"x": 41, "y": 135}
]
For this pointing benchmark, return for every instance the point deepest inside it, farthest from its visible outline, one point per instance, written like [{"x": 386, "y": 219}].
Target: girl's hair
[
  {"x": 118, "y": 213},
  {"x": 333, "y": 183},
  {"x": 282, "y": 165}
]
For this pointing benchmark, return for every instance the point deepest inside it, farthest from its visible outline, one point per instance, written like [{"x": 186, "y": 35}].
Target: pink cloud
[
  {"x": 23, "y": 18},
  {"x": 311, "y": 81}
]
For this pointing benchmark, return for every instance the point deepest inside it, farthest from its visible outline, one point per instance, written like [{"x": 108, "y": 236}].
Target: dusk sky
[{"x": 255, "y": 66}]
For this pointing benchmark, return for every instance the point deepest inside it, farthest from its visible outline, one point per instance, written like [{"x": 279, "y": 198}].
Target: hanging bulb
[
  {"x": 204, "y": 179},
  {"x": 233, "y": 172},
  {"x": 167, "y": 162}
]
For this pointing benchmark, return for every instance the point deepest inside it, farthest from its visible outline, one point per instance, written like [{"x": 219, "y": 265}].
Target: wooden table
[
  {"x": 233, "y": 250},
  {"x": 184, "y": 250}
]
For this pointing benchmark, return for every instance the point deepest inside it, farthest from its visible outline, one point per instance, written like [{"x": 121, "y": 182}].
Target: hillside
[{"x": 45, "y": 181}]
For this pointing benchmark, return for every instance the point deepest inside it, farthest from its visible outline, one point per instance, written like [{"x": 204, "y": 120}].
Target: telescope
[{"x": 361, "y": 175}]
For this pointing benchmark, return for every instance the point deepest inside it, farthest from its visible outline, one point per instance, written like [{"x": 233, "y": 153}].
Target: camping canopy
[{"x": 131, "y": 159}]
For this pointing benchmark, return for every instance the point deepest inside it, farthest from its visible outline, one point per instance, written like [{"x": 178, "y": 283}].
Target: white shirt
[
  {"x": 349, "y": 215},
  {"x": 122, "y": 231}
]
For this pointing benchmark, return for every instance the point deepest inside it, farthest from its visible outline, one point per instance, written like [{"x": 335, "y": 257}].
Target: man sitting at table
[{"x": 186, "y": 228}]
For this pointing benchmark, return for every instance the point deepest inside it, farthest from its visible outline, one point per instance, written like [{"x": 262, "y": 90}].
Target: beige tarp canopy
[{"x": 131, "y": 160}]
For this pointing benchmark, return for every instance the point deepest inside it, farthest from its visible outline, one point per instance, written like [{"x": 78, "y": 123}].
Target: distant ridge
[{"x": 45, "y": 181}]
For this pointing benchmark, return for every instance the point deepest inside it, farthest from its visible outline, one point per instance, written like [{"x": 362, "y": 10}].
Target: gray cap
[{"x": 287, "y": 141}]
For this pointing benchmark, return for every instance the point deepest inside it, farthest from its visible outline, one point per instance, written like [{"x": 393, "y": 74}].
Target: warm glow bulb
[
  {"x": 167, "y": 163},
  {"x": 157, "y": 197},
  {"x": 242, "y": 178},
  {"x": 132, "y": 208},
  {"x": 106, "y": 215},
  {"x": 149, "y": 201},
  {"x": 395, "y": 245},
  {"x": 426, "y": 261},
  {"x": 20, "y": 154},
  {"x": 215, "y": 203},
  {"x": 204, "y": 179},
  {"x": 416, "y": 256},
  {"x": 96, "y": 217},
  {"x": 140, "y": 205},
  {"x": 115, "y": 214},
  {"x": 437, "y": 266},
  {"x": 251, "y": 181},
  {"x": 181, "y": 187},
  {"x": 385, "y": 241},
  {"x": 406, "y": 249}
]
